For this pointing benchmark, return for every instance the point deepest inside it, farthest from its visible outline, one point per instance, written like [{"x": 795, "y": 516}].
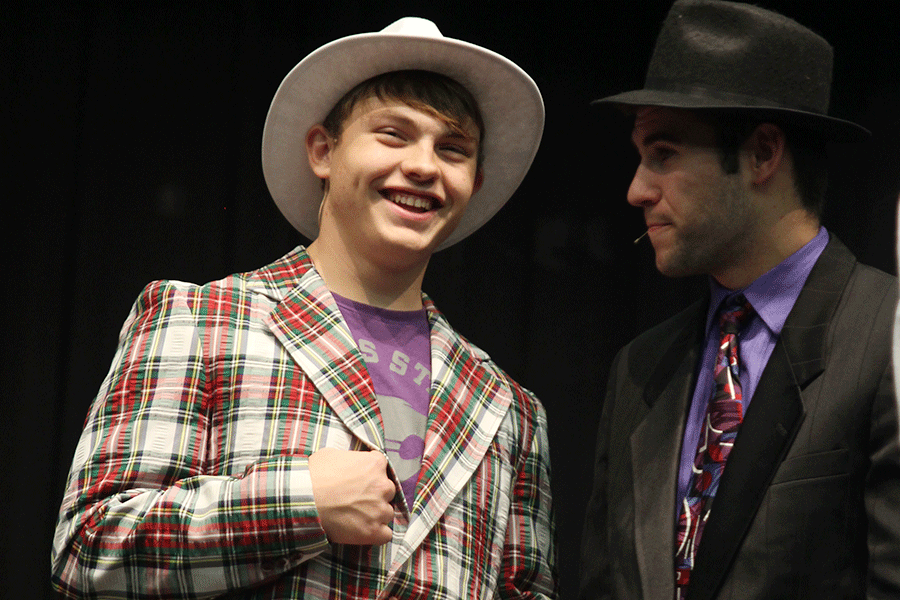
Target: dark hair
[
  {"x": 430, "y": 92},
  {"x": 806, "y": 147}
]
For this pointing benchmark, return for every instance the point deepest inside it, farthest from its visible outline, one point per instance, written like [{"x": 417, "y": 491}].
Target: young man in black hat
[
  {"x": 748, "y": 446},
  {"x": 315, "y": 428}
]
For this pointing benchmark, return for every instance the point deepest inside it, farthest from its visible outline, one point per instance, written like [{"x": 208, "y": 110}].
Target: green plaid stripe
[{"x": 191, "y": 478}]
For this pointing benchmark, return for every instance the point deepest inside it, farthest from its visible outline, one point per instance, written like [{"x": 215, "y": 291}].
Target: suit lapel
[
  {"x": 468, "y": 401},
  {"x": 468, "y": 405},
  {"x": 308, "y": 323},
  {"x": 772, "y": 420},
  {"x": 656, "y": 448}
]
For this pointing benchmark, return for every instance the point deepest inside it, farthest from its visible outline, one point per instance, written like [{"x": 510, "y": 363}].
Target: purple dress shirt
[{"x": 772, "y": 296}]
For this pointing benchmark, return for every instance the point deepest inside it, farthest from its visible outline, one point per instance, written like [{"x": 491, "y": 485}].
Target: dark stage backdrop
[{"x": 134, "y": 154}]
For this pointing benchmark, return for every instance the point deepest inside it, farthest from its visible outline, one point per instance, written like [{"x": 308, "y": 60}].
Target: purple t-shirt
[
  {"x": 772, "y": 296},
  {"x": 396, "y": 347}
]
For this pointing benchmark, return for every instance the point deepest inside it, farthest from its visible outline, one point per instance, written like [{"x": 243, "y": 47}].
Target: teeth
[{"x": 412, "y": 201}]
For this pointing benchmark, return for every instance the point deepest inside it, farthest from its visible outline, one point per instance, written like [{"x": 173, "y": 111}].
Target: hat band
[{"x": 731, "y": 99}]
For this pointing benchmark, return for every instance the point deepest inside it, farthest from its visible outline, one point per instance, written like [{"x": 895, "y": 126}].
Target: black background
[{"x": 133, "y": 154}]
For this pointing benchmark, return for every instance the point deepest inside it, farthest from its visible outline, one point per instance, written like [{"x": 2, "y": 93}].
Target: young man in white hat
[
  {"x": 315, "y": 428},
  {"x": 748, "y": 446}
]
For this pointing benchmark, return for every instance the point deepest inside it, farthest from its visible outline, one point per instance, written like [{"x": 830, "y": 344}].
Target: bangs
[{"x": 430, "y": 92}]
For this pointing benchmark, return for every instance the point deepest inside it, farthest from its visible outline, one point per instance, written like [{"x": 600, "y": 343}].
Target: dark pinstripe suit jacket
[{"x": 809, "y": 503}]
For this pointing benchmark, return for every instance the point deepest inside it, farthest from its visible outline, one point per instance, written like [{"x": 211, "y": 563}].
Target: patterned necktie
[{"x": 722, "y": 421}]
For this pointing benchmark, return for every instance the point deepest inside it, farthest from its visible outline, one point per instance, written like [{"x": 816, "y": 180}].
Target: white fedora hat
[{"x": 509, "y": 100}]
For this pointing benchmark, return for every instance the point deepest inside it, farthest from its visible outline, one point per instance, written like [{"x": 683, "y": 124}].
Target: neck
[
  {"x": 774, "y": 243},
  {"x": 368, "y": 281}
]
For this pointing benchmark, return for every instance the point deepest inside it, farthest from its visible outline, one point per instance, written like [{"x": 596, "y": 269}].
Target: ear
[
  {"x": 767, "y": 152},
  {"x": 479, "y": 179},
  {"x": 319, "y": 145}
]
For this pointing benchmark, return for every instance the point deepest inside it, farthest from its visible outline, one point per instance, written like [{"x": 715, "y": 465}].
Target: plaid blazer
[{"x": 191, "y": 477}]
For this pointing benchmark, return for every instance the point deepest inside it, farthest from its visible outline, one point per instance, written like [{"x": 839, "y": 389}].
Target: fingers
[
  {"x": 387, "y": 487},
  {"x": 381, "y": 536},
  {"x": 353, "y": 492}
]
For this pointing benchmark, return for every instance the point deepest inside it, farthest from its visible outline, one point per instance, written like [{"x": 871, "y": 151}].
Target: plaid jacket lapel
[
  {"x": 468, "y": 405},
  {"x": 468, "y": 400},
  {"x": 308, "y": 323}
]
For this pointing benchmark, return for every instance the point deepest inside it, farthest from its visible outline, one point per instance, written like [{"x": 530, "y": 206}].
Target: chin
[
  {"x": 419, "y": 242},
  {"x": 405, "y": 253},
  {"x": 671, "y": 268}
]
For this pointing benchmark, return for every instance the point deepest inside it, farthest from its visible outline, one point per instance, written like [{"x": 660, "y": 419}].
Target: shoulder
[
  {"x": 236, "y": 296},
  {"x": 866, "y": 309},
  {"x": 654, "y": 359},
  {"x": 838, "y": 262},
  {"x": 684, "y": 327},
  {"x": 872, "y": 282},
  {"x": 866, "y": 294},
  {"x": 524, "y": 397},
  {"x": 273, "y": 280},
  {"x": 524, "y": 401}
]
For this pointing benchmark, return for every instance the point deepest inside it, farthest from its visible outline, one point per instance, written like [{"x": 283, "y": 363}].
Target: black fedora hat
[{"x": 738, "y": 57}]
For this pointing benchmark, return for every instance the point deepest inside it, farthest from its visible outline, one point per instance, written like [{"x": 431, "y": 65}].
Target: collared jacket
[
  {"x": 808, "y": 506},
  {"x": 191, "y": 477}
]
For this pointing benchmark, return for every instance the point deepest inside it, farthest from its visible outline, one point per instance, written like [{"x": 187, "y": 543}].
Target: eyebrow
[
  {"x": 451, "y": 132},
  {"x": 389, "y": 114},
  {"x": 659, "y": 136}
]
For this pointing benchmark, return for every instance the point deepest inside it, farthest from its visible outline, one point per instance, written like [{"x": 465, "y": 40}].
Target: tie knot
[{"x": 734, "y": 314}]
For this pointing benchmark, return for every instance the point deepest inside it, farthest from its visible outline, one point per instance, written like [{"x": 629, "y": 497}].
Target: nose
[
  {"x": 642, "y": 191},
  {"x": 420, "y": 163}
]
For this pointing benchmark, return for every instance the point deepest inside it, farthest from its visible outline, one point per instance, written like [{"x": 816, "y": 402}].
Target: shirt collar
[{"x": 774, "y": 293}]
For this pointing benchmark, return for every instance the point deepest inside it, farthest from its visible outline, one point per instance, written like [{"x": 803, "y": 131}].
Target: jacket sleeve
[
  {"x": 140, "y": 518},
  {"x": 529, "y": 559},
  {"x": 594, "y": 572},
  {"x": 882, "y": 494}
]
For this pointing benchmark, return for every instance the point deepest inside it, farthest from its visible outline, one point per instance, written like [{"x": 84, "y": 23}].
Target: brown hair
[
  {"x": 807, "y": 149},
  {"x": 427, "y": 91}
]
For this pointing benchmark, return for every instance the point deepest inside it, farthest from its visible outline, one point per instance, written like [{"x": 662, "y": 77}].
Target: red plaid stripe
[{"x": 191, "y": 479}]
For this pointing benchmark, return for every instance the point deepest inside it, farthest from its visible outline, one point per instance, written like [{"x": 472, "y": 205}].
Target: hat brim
[
  {"x": 831, "y": 128},
  {"x": 510, "y": 102}
]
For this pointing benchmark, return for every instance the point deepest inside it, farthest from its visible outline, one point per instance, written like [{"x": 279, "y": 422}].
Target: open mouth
[{"x": 410, "y": 202}]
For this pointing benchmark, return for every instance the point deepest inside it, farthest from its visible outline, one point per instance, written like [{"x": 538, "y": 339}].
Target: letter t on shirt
[{"x": 396, "y": 347}]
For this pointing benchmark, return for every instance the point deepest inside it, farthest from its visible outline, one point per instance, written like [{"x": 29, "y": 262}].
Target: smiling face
[
  {"x": 700, "y": 220},
  {"x": 398, "y": 180}
]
